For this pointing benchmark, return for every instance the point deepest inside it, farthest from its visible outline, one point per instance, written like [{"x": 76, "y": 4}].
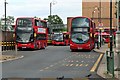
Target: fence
[{"x": 7, "y": 40}]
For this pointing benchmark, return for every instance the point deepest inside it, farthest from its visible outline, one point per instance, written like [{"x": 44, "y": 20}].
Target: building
[{"x": 93, "y": 10}]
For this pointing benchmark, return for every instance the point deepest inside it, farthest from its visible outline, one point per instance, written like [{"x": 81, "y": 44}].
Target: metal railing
[{"x": 7, "y": 46}]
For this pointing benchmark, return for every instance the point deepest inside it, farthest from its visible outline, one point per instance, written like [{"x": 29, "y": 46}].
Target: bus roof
[{"x": 81, "y": 17}]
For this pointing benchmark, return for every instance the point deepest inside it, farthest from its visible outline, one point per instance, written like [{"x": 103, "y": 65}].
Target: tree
[
  {"x": 54, "y": 19},
  {"x": 9, "y": 22}
]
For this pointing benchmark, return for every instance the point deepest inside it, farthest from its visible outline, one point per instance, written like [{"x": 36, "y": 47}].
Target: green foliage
[
  {"x": 54, "y": 19},
  {"x": 9, "y": 22}
]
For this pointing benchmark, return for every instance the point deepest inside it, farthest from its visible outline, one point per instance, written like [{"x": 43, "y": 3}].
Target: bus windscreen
[
  {"x": 80, "y": 38},
  {"x": 80, "y": 22},
  {"x": 24, "y": 30}
]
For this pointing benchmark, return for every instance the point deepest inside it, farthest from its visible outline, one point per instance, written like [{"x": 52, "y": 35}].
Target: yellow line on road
[
  {"x": 71, "y": 64},
  {"x": 86, "y": 65},
  {"x": 81, "y": 64},
  {"x": 96, "y": 63},
  {"x": 67, "y": 64},
  {"x": 77, "y": 64},
  {"x": 47, "y": 68},
  {"x": 41, "y": 70}
]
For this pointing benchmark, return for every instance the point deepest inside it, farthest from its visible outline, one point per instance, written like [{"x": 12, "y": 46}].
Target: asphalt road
[{"x": 53, "y": 62}]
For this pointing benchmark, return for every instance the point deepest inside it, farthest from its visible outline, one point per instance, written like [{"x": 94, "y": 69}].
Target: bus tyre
[
  {"x": 20, "y": 49},
  {"x": 38, "y": 46},
  {"x": 72, "y": 50},
  {"x": 65, "y": 43},
  {"x": 35, "y": 46},
  {"x": 44, "y": 46}
]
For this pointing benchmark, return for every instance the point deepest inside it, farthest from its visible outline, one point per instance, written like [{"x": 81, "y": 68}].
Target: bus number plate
[
  {"x": 79, "y": 48},
  {"x": 23, "y": 47}
]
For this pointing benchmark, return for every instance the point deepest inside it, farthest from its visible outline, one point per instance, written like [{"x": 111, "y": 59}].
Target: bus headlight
[
  {"x": 35, "y": 35},
  {"x": 88, "y": 45}
]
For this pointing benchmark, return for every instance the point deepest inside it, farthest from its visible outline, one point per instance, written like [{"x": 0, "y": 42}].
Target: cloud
[{"x": 41, "y": 8}]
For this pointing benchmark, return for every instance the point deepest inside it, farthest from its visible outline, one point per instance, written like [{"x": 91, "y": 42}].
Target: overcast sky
[{"x": 41, "y": 8}]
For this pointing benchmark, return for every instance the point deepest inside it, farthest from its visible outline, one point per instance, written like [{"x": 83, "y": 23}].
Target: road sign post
[{"x": 100, "y": 28}]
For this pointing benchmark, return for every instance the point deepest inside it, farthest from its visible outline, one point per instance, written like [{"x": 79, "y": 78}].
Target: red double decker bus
[
  {"x": 60, "y": 38},
  {"x": 30, "y": 33},
  {"x": 82, "y": 34}
]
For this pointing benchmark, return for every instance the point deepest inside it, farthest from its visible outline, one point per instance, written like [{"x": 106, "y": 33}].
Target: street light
[
  {"x": 111, "y": 49},
  {"x": 118, "y": 37},
  {"x": 52, "y": 3},
  {"x": 93, "y": 14},
  {"x": 5, "y": 24},
  {"x": 99, "y": 21}
]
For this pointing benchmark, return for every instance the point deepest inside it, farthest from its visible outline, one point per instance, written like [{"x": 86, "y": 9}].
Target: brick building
[{"x": 92, "y": 10}]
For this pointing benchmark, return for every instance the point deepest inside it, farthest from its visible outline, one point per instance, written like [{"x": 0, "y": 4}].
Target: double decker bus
[
  {"x": 82, "y": 34},
  {"x": 60, "y": 38},
  {"x": 30, "y": 33}
]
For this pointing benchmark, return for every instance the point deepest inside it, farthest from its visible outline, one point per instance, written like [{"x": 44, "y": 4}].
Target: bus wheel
[
  {"x": 65, "y": 43},
  {"x": 35, "y": 46},
  {"x": 72, "y": 50},
  {"x": 38, "y": 46},
  {"x": 20, "y": 49},
  {"x": 44, "y": 46}
]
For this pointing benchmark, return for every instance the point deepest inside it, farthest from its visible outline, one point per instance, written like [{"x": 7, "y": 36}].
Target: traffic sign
[{"x": 100, "y": 24}]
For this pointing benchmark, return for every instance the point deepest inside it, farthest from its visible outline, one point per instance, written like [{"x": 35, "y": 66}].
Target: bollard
[{"x": 16, "y": 49}]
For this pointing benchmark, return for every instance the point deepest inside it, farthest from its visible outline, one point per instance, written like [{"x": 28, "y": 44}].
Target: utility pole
[
  {"x": 5, "y": 26},
  {"x": 111, "y": 41},
  {"x": 50, "y": 11},
  {"x": 118, "y": 36},
  {"x": 93, "y": 14},
  {"x": 100, "y": 20}
]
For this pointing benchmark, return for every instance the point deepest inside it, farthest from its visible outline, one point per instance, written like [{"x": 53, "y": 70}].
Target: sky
[{"x": 41, "y": 8}]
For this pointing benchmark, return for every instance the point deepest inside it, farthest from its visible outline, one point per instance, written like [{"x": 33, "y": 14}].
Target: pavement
[
  {"x": 102, "y": 68},
  {"x": 9, "y": 57}
]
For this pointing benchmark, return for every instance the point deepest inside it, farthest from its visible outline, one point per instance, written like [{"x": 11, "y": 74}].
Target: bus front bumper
[
  {"x": 80, "y": 46},
  {"x": 28, "y": 45}
]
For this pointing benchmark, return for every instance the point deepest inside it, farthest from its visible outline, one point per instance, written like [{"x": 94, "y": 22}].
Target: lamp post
[
  {"x": 51, "y": 3},
  {"x": 93, "y": 14},
  {"x": 50, "y": 8},
  {"x": 5, "y": 24},
  {"x": 111, "y": 49},
  {"x": 118, "y": 37},
  {"x": 99, "y": 21},
  {"x": 50, "y": 28}
]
